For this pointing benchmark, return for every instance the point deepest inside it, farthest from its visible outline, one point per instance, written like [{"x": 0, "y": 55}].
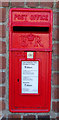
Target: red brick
[
  {"x": 0, "y": 4},
  {"x": 55, "y": 93},
  {"x": 2, "y": 105},
  {"x": 46, "y": 117},
  {"x": 2, "y": 91},
  {"x": 57, "y": 4},
  {"x": 56, "y": 65},
  {"x": 56, "y": 34},
  {"x": 29, "y": 117},
  {"x": 17, "y": 4},
  {"x": 46, "y": 4},
  {"x": 2, "y": 47},
  {"x": 2, "y": 14},
  {"x": 56, "y": 18},
  {"x": 14, "y": 117},
  {"x": 2, "y": 31},
  {"x": 55, "y": 80},
  {"x": 0, "y": 115},
  {"x": 55, "y": 106},
  {"x": 2, "y": 62},
  {"x": 2, "y": 77},
  {"x": 33, "y": 3},
  {"x": 56, "y": 49},
  {"x": 4, "y": 4}
]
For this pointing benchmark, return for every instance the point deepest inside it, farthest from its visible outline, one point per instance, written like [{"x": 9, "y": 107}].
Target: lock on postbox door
[{"x": 30, "y": 49}]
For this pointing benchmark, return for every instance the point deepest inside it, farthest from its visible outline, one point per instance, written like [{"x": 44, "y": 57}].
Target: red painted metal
[{"x": 38, "y": 40}]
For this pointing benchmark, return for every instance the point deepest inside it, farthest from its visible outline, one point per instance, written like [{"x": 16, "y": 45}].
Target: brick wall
[{"x": 4, "y": 66}]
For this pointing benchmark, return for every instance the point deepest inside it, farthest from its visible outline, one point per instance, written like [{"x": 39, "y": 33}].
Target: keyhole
[{"x": 18, "y": 80}]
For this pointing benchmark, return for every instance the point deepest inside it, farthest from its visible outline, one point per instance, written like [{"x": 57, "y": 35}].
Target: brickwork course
[{"x": 5, "y": 114}]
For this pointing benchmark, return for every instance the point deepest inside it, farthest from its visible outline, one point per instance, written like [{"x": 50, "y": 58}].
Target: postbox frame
[{"x": 11, "y": 24}]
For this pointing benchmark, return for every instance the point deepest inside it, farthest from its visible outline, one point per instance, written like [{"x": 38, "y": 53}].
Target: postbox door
[{"x": 31, "y": 101}]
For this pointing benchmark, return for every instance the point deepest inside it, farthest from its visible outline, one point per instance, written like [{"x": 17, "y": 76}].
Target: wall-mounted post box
[{"x": 30, "y": 48}]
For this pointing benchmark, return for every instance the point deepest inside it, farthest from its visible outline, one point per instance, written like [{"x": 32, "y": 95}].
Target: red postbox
[{"x": 30, "y": 50}]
